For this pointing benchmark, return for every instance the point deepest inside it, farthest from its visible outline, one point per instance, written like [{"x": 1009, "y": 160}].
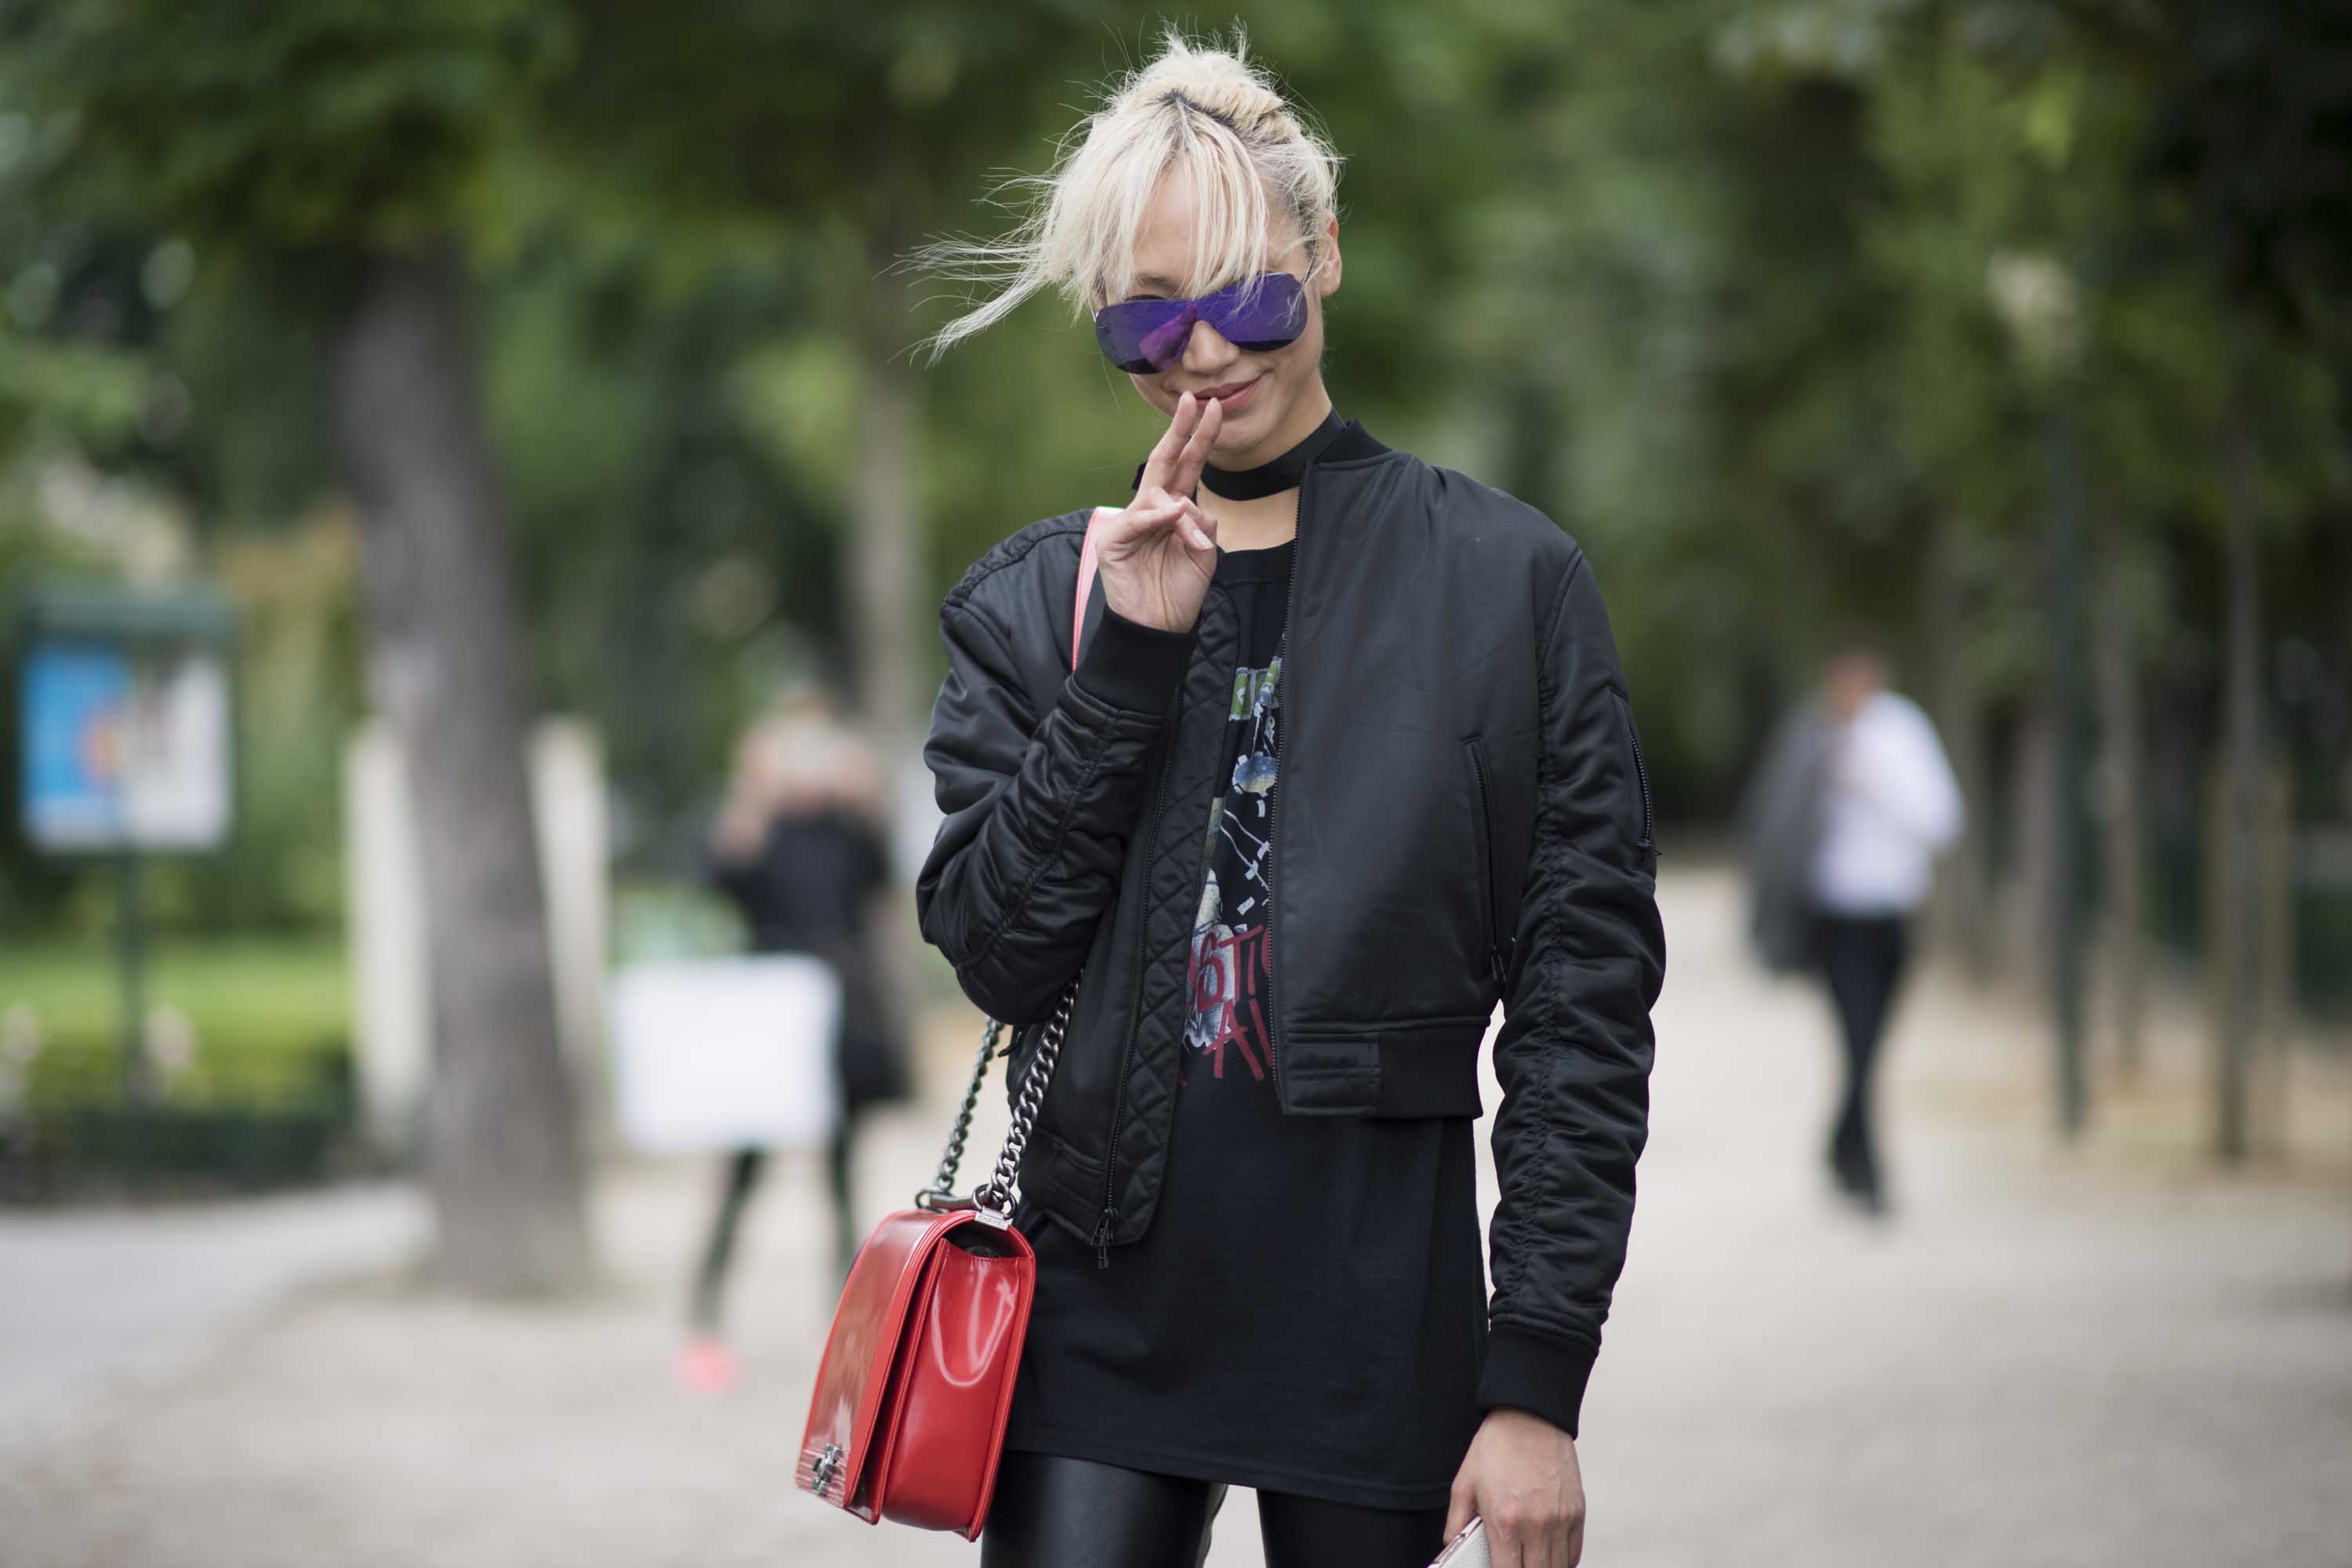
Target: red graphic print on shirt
[{"x": 1227, "y": 990}]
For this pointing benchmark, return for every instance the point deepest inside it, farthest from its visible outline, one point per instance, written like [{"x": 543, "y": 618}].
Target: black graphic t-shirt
[{"x": 1307, "y": 1311}]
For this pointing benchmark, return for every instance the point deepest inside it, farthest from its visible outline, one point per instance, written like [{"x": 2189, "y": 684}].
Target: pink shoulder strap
[{"x": 1085, "y": 579}]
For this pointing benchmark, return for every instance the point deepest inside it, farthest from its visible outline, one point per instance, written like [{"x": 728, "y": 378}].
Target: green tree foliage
[
  {"x": 346, "y": 143},
  {"x": 1770, "y": 304},
  {"x": 332, "y": 122}
]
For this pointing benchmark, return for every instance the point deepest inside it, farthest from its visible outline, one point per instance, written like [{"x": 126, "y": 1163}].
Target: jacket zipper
[
  {"x": 1135, "y": 1011},
  {"x": 1477, "y": 753},
  {"x": 1641, "y": 773},
  {"x": 1285, "y": 690},
  {"x": 1109, "y": 1217}
]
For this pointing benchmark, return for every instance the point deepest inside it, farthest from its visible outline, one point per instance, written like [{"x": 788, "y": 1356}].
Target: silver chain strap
[
  {"x": 943, "y": 1184},
  {"x": 996, "y": 1194}
]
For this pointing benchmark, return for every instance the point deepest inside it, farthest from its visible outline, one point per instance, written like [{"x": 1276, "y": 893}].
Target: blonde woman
[{"x": 1345, "y": 761}]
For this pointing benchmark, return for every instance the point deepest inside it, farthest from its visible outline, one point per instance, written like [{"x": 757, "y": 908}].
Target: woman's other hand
[
  {"x": 1521, "y": 1476},
  {"x": 1157, "y": 556}
]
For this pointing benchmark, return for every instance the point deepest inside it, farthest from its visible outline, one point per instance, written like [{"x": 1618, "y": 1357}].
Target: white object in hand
[{"x": 1467, "y": 1549}]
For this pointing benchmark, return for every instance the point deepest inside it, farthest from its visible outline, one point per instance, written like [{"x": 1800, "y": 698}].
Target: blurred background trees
[
  {"x": 336, "y": 151},
  {"x": 559, "y": 346}
]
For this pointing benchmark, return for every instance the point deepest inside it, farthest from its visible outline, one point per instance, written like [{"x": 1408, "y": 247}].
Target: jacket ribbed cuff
[
  {"x": 1532, "y": 1373},
  {"x": 1131, "y": 666}
]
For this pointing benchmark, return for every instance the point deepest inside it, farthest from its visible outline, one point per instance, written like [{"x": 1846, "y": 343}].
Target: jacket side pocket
[{"x": 1648, "y": 841}]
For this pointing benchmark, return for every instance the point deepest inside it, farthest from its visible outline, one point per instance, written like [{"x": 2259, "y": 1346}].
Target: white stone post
[
  {"x": 383, "y": 906},
  {"x": 392, "y": 1009}
]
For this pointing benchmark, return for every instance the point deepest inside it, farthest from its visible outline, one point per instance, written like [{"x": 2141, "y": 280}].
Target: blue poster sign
[
  {"x": 75, "y": 700},
  {"x": 126, "y": 744}
]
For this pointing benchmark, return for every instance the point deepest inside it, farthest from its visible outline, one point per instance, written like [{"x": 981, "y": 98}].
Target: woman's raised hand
[{"x": 1156, "y": 557}]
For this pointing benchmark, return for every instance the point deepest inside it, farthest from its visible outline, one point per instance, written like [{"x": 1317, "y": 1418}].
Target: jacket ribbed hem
[
  {"x": 1530, "y": 1371},
  {"x": 1131, "y": 666}
]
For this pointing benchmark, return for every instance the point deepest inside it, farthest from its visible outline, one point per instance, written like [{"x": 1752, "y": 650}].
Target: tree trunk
[
  {"x": 2123, "y": 808},
  {"x": 2235, "y": 943},
  {"x": 2065, "y": 637},
  {"x": 447, "y": 666},
  {"x": 886, "y": 557},
  {"x": 1964, "y": 884},
  {"x": 2025, "y": 901}
]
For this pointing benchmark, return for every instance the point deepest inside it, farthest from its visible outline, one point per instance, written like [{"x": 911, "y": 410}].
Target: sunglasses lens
[
  {"x": 1267, "y": 313},
  {"x": 1164, "y": 345},
  {"x": 1141, "y": 336}
]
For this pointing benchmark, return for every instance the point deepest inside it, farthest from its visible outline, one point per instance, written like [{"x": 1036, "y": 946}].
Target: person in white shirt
[{"x": 1889, "y": 806}]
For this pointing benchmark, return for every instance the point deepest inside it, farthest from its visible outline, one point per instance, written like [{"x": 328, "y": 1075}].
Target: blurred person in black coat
[{"x": 799, "y": 845}]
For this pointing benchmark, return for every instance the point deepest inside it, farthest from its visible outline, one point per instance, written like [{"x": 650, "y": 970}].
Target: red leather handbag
[
  {"x": 908, "y": 1414},
  {"x": 907, "y": 1419}
]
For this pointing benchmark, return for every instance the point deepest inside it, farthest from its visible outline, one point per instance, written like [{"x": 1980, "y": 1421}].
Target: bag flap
[{"x": 868, "y": 1328}]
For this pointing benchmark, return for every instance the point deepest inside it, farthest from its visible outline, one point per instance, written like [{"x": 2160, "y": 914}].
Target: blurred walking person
[
  {"x": 1854, "y": 802},
  {"x": 799, "y": 845}
]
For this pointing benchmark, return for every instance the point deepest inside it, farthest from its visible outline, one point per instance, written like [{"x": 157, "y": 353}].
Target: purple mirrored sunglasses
[{"x": 1141, "y": 336}]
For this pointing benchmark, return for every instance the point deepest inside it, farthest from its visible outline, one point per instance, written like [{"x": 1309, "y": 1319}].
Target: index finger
[
  {"x": 1186, "y": 476},
  {"x": 1160, "y": 467}
]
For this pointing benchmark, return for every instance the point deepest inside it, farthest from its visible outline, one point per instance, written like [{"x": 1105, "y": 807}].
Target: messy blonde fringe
[{"x": 1196, "y": 109}]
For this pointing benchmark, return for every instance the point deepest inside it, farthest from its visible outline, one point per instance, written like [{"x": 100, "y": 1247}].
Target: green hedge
[{"x": 262, "y": 1097}]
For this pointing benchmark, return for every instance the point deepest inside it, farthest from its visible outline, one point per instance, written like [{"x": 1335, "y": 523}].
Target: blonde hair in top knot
[{"x": 1206, "y": 112}]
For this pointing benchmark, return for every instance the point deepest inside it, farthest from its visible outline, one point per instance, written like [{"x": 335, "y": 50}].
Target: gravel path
[
  {"x": 98, "y": 1303},
  {"x": 2090, "y": 1359}
]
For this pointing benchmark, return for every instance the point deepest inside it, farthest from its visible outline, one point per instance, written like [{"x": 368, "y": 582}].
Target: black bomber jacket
[{"x": 1460, "y": 818}]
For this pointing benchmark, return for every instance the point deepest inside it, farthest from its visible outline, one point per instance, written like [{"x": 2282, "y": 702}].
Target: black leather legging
[{"x": 1055, "y": 1513}]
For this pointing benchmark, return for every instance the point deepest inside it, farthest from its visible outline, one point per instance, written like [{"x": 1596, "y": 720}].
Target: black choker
[
  {"x": 1267, "y": 479},
  {"x": 1283, "y": 473}
]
